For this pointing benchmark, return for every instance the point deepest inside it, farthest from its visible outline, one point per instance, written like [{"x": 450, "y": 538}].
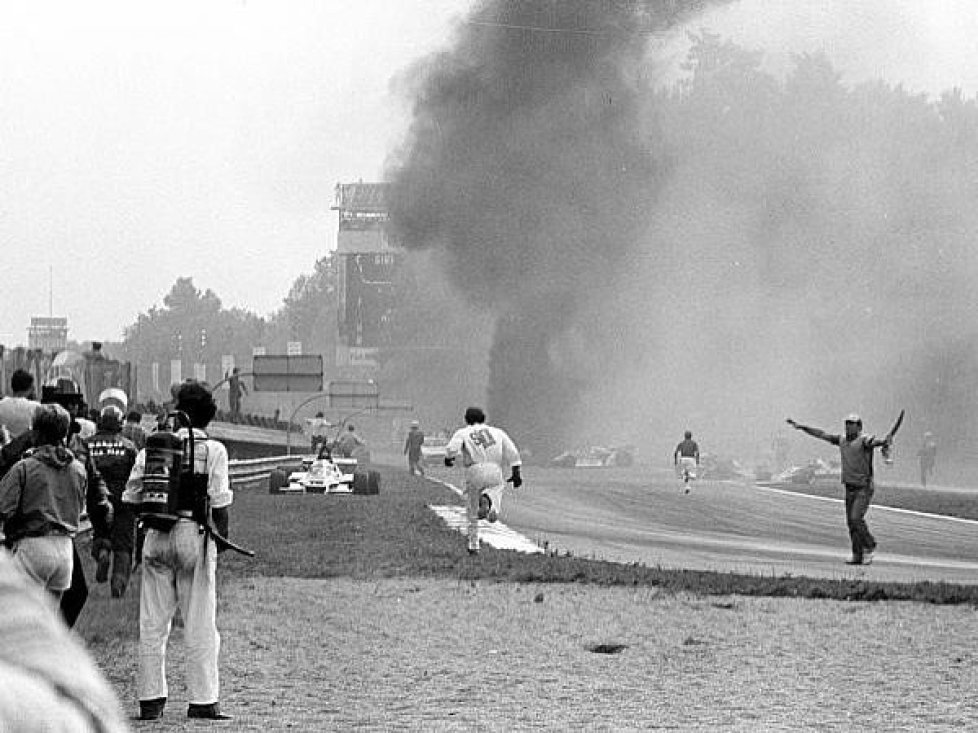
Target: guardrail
[
  {"x": 243, "y": 473},
  {"x": 248, "y": 471}
]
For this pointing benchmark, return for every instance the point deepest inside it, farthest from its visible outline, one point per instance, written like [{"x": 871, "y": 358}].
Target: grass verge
[{"x": 931, "y": 501}]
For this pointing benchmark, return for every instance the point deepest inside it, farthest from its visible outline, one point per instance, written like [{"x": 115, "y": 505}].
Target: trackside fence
[
  {"x": 245, "y": 474},
  {"x": 251, "y": 473}
]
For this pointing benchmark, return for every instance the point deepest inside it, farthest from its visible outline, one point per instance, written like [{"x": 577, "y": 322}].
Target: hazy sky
[{"x": 141, "y": 142}]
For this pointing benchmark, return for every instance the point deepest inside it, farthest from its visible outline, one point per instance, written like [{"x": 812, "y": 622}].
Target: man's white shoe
[{"x": 868, "y": 557}]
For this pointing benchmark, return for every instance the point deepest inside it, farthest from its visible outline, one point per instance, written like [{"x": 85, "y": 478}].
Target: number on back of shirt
[{"x": 482, "y": 437}]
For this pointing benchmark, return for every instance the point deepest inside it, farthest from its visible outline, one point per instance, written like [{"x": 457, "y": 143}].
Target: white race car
[
  {"x": 595, "y": 456},
  {"x": 323, "y": 474},
  {"x": 433, "y": 451}
]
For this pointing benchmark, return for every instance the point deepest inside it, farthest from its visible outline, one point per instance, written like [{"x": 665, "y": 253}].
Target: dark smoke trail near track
[{"x": 527, "y": 166}]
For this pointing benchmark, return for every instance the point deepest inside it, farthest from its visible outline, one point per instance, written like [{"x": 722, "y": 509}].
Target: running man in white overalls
[{"x": 487, "y": 454}]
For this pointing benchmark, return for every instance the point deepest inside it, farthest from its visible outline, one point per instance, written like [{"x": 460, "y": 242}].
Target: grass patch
[
  {"x": 395, "y": 534},
  {"x": 931, "y": 501}
]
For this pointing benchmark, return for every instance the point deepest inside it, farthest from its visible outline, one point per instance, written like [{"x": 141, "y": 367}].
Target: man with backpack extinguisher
[{"x": 179, "y": 559}]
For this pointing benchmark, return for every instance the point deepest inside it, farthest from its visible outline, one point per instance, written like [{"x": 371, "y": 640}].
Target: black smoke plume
[{"x": 528, "y": 166}]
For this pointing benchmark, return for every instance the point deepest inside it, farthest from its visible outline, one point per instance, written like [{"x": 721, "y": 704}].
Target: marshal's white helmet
[{"x": 115, "y": 397}]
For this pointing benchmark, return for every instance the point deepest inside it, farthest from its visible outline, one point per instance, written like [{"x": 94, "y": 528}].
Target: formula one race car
[
  {"x": 324, "y": 474},
  {"x": 433, "y": 451},
  {"x": 808, "y": 474},
  {"x": 595, "y": 457}
]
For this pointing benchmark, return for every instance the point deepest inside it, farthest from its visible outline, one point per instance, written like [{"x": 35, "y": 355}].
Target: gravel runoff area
[{"x": 437, "y": 654}]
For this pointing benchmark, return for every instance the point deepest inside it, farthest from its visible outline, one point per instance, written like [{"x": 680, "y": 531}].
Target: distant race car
[
  {"x": 809, "y": 473},
  {"x": 722, "y": 468},
  {"x": 324, "y": 474},
  {"x": 433, "y": 451},
  {"x": 594, "y": 457}
]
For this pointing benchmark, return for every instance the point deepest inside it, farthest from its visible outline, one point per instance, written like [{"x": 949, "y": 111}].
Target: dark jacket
[
  {"x": 413, "y": 443},
  {"x": 97, "y": 502},
  {"x": 43, "y": 494},
  {"x": 114, "y": 456},
  {"x": 97, "y": 498}
]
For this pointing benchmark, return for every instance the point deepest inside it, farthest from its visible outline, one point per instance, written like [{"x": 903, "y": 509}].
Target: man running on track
[
  {"x": 487, "y": 453},
  {"x": 686, "y": 458}
]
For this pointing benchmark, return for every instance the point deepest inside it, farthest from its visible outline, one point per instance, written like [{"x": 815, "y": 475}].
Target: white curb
[{"x": 496, "y": 534}]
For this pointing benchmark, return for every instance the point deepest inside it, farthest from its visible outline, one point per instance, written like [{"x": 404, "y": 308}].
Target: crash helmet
[{"x": 113, "y": 396}]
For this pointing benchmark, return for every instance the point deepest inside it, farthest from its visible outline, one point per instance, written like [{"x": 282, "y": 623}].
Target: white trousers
[
  {"x": 47, "y": 560},
  {"x": 179, "y": 569},
  {"x": 686, "y": 463},
  {"x": 481, "y": 478}
]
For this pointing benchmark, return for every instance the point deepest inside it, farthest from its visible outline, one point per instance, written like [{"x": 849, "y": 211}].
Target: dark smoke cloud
[
  {"x": 716, "y": 256},
  {"x": 528, "y": 166}
]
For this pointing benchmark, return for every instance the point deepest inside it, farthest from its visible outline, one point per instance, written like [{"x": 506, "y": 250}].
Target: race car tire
[
  {"x": 366, "y": 483},
  {"x": 276, "y": 480}
]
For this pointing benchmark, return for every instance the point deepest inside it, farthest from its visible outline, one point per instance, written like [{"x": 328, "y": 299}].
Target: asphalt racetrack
[{"x": 640, "y": 514}]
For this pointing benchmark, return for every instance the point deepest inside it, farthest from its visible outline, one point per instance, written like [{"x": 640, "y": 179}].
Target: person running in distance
[
  {"x": 927, "y": 455},
  {"x": 686, "y": 458},
  {"x": 856, "y": 448}
]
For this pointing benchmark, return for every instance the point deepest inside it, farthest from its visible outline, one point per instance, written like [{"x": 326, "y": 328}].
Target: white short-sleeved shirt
[
  {"x": 481, "y": 443},
  {"x": 211, "y": 457},
  {"x": 17, "y": 414}
]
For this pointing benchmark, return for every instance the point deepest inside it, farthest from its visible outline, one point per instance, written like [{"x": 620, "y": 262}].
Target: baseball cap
[
  {"x": 415, "y": 423},
  {"x": 853, "y": 417}
]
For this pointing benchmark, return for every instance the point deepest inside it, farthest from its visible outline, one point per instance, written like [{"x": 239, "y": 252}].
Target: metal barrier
[
  {"x": 244, "y": 474},
  {"x": 250, "y": 471}
]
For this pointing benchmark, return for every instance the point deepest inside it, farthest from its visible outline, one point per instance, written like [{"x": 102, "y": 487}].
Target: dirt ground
[{"x": 421, "y": 654}]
